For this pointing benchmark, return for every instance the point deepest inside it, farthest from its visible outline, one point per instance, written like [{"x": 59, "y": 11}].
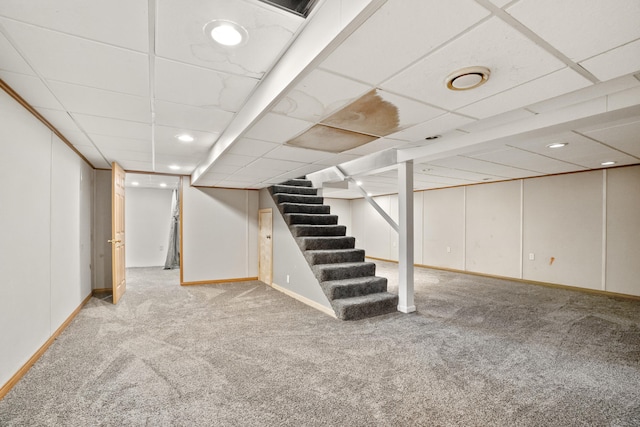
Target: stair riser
[
  {"x": 297, "y": 198},
  {"x": 357, "y": 255},
  {"x": 321, "y": 230},
  {"x": 286, "y": 208},
  {"x": 318, "y": 243},
  {"x": 367, "y": 310},
  {"x": 337, "y": 273},
  {"x": 285, "y": 189},
  {"x": 298, "y": 183},
  {"x": 375, "y": 286},
  {"x": 311, "y": 219}
]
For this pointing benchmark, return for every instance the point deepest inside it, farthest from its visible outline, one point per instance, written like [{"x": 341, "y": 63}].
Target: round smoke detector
[{"x": 468, "y": 78}]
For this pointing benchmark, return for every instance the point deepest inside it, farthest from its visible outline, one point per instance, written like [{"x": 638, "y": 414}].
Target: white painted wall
[
  {"x": 46, "y": 237},
  {"x": 220, "y": 234},
  {"x": 147, "y": 222},
  {"x": 589, "y": 222},
  {"x": 289, "y": 261}
]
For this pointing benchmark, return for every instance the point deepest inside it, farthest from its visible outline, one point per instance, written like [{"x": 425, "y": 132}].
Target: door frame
[{"x": 270, "y": 244}]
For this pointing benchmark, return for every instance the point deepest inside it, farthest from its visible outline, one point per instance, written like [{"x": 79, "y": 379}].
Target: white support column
[{"x": 405, "y": 210}]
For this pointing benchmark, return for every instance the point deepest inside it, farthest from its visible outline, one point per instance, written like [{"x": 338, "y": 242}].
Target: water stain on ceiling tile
[
  {"x": 326, "y": 138},
  {"x": 370, "y": 114}
]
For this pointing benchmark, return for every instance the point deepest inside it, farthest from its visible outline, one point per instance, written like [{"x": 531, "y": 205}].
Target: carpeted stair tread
[
  {"x": 311, "y": 219},
  {"x": 310, "y": 243},
  {"x": 365, "y": 306},
  {"x": 298, "y": 198},
  {"x": 349, "y": 288},
  {"x": 333, "y": 256},
  {"x": 303, "y": 208},
  {"x": 302, "y": 230},
  {"x": 343, "y": 270},
  {"x": 293, "y": 189},
  {"x": 298, "y": 183}
]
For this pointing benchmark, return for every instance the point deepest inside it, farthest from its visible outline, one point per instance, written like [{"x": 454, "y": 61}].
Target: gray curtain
[{"x": 173, "y": 253}]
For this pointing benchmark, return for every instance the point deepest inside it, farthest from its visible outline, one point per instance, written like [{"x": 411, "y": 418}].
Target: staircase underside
[{"x": 350, "y": 283}]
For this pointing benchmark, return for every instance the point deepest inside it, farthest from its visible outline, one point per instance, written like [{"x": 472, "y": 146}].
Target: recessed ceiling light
[
  {"x": 467, "y": 78},
  {"x": 226, "y": 33},
  {"x": 358, "y": 183},
  {"x": 174, "y": 167},
  {"x": 135, "y": 183},
  {"x": 557, "y": 145},
  {"x": 608, "y": 163},
  {"x": 162, "y": 184},
  {"x": 184, "y": 137}
]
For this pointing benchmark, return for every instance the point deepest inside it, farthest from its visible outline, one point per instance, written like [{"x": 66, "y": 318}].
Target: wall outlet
[
  {"x": 448, "y": 249},
  {"x": 287, "y": 278},
  {"x": 532, "y": 256}
]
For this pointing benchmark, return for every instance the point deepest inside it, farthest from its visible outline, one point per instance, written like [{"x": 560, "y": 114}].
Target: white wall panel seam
[
  {"x": 604, "y": 229},
  {"x": 464, "y": 229},
  {"x": 50, "y": 229},
  {"x": 522, "y": 229}
]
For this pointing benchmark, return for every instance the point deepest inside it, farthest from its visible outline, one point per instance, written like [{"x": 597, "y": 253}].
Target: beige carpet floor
[{"x": 479, "y": 352}]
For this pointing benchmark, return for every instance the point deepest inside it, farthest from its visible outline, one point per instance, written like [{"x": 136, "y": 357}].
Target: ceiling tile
[
  {"x": 188, "y": 117},
  {"x": 329, "y": 139},
  {"x": 381, "y": 113},
  {"x": 616, "y": 62},
  {"x": 94, "y": 156},
  {"x": 113, "y": 127},
  {"x": 576, "y": 27},
  {"x": 624, "y": 99},
  {"x": 135, "y": 165},
  {"x": 31, "y": 89},
  {"x": 200, "y": 87},
  {"x": 282, "y": 165},
  {"x": 337, "y": 159},
  {"x": 251, "y": 147},
  {"x": 167, "y": 143},
  {"x": 235, "y": 160},
  {"x": 500, "y": 3},
  {"x": 109, "y": 144},
  {"x": 297, "y": 154},
  {"x": 97, "y": 102},
  {"x": 71, "y": 59},
  {"x": 436, "y": 126},
  {"x": 623, "y": 137},
  {"x": 124, "y": 157},
  {"x": 77, "y": 137},
  {"x": 11, "y": 59},
  {"x": 118, "y": 22},
  {"x": 498, "y": 120},
  {"x": 180, "y": 34},
  {"x": 423, "y": 171},
  {"x": 319, "y": 94},
  {"x": 398, "y": 33},
  {"x": 517, "y": 61},
  {"x": 482, "y": 167},
  {"x": 226, "y": 169},
  {"x": 526, "y": 160},
  {"x": 374, "y": 146},
  {"x": 549, "y": 86},
  {"x": 277, "y": 128},
  {"x": 580, "y": 150},
  {"x": 59, "y": 119}
]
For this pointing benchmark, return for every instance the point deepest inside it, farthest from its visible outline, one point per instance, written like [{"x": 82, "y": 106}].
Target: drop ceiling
[{"x": 121, "y": 79}]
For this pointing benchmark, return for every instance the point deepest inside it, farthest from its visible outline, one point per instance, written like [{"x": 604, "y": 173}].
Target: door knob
[
  {"x": 268, "y": 236},
  {"x": 114, "y": 241}
]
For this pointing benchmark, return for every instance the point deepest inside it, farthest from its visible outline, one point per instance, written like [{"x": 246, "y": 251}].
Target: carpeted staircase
[{"x": 350, "y": 283}]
